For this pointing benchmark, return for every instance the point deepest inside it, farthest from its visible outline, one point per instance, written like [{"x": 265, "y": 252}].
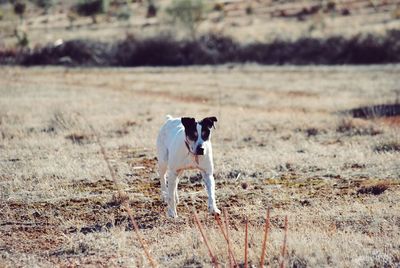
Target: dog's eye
[
  {"x": 205, "y": 134},
  {"x": 195, "y": 134}
]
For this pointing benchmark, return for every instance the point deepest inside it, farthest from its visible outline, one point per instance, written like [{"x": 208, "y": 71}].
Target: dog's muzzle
[{"x": 199, "y": 150}]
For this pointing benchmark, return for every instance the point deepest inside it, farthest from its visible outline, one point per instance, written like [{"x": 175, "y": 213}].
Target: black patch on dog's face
[
  {"x": 190, "y": 128},
  {"x": 206, "y": 125}
]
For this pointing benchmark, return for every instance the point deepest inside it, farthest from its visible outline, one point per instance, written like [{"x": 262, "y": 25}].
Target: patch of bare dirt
[
  {"x": 393, "y": 121},
  {"x": 30, "y": 237}
]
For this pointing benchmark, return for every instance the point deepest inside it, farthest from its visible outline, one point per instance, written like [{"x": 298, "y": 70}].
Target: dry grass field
[{"x": 281, "y": 142}]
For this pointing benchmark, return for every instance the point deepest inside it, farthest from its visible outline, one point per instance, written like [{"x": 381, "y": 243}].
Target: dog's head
[{"x": 198, "y": 133}]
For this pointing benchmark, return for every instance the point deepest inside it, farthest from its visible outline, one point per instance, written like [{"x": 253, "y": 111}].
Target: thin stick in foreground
[
  {"x": 283, "y": 253},
  {"x": 246, "y": 242},
  {"x": 121, "y": 194},
  {"x": 227, "y": 235},
  {"x": 218, "y": 219},
  {"x": 264, "y": 245},
  {"x": 198, "y": 223}
]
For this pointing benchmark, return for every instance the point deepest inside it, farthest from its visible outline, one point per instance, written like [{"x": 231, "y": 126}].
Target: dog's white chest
[{"x": 191, "y": 162}]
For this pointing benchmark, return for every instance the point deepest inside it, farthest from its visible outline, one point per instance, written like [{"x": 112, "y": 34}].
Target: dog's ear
[
  {"x": 209, "y": 121},
  {"x": 188, "y": 122}
]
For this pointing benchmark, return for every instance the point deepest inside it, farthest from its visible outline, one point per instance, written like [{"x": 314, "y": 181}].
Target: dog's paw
[
  {"x": 214, "y": 211},
  {"x": 171, "y": 213}
]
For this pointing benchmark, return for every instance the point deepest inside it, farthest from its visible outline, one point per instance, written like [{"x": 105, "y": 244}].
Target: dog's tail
[{"x": 168, "y": 117}]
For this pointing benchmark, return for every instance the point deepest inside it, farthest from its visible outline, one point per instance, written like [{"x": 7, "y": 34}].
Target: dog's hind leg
[
  {"x": 162, "y": 169},
  {"x": 172, "y": 193},
  {"x": 162, "y": 156},
  {"x": 176, "y": 195}
]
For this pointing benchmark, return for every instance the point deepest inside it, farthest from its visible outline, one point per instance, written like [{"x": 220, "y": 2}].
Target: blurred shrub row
[{"x": 164, "y": 50}]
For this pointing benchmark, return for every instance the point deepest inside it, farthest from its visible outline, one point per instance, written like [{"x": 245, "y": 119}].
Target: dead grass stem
[
  {"x": 225, "y": 234},
  {"x": 122, "y": 195},
  {"x": 246, "y": 243},
  {"x": 205, "y": 240},
  {"x": 264, "y": 245},
  {"x": 284, "y": 246},
  {"x": 226, "y": 217}
]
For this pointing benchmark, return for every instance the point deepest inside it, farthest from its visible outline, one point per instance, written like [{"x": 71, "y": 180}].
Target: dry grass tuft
[
  {"x": 79, "y": 138},
  {"x": 61, "y": 121},
  {"x": 375, "y": 187},
  {"x": 118, "y": 199},
  {"x": 393, "y": 146},
  {"x": 357, "y": 127}
]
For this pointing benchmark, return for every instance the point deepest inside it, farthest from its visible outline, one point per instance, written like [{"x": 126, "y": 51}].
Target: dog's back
[{"x": 168, "y": 133}]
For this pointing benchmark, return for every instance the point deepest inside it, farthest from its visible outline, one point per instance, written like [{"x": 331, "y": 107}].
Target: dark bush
[
  {"x": 151, "y": 10},
  {"x": 89, "y": 7},
  {"x": 163, "y": 51},
  {"x": 10, "y": 56},
  {"x": 367, "y": 50},
  {"x": 383, "y": 110},
  {"x": 374, "y": 188},
  {"x": 75, "y": 52},
  {"x": 166, "y": 51},
  {"x": 19, "y": 8},
  {"x": 213, "y": 49},
  {"x": 45, "y": 4}
]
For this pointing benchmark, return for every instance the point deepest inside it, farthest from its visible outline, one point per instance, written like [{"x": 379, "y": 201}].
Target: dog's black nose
[{"x": 200, "y": 151}]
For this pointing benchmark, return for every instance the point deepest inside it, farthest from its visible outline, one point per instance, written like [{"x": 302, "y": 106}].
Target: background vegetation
[{"x": 187, "y": 32}]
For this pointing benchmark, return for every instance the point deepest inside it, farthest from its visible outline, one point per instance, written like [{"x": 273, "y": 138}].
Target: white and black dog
[{"x": 183, "y": 144}]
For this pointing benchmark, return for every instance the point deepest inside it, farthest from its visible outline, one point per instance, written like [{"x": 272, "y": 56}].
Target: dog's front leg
[
  {"x": 172, "y": 193},
  {"x": 210, "y": 185}
]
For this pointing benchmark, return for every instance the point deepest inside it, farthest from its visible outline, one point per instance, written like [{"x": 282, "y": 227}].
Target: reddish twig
[
  {"x": 198, "y": 223},
  {"x": 283, "y": 253},
  {"x": 246, "y": 243},
  {"x": 122, "y": 195},
  {"x": 264, "y": 245},
  {"x": 220, "y": 225},
  {"x": 227, "y": 235},
  {"x": 141, "y": 240},
  {"x": 218, "y": 219}
]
